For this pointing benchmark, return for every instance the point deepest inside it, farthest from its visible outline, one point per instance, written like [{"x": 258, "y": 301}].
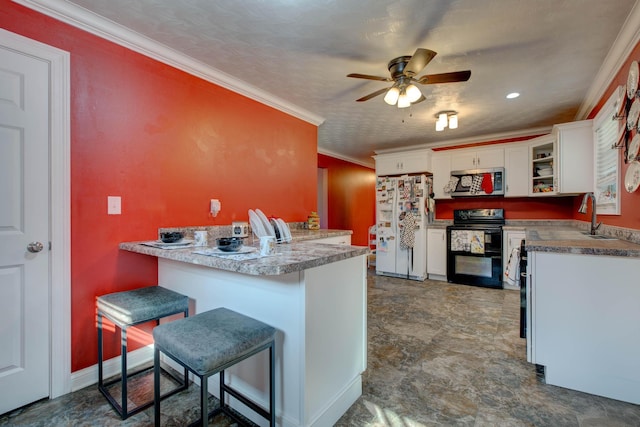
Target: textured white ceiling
[{"x": 301, "y": 51}]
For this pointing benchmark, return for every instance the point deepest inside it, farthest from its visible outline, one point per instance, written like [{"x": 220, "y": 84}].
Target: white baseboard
[
  {"x": 89, "y": 376},
  {"x": 340, "y": 404}
]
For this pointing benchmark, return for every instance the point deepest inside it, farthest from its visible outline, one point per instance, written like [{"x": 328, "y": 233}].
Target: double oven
[{"x": 474, "y": 247}]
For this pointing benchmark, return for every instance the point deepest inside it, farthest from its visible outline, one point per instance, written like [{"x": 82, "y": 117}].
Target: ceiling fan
[{"x": 403, "y": 71}]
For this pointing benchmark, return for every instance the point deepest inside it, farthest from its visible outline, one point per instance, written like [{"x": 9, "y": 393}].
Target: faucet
[{"x": 583, "y": 210}]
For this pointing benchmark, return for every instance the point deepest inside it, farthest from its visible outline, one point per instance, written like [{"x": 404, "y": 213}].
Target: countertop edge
[{"x": 291, "y": 257}]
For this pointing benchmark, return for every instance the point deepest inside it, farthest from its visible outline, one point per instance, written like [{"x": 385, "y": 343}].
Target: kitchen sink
[{"x": 598, "y": 236}]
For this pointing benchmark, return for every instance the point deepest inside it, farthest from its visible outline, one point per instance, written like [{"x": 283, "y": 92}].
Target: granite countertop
[
  {"x": 300, "y": 235},
  {"x": 290, "y": 257},
  {"x": 574, "y": 240}
]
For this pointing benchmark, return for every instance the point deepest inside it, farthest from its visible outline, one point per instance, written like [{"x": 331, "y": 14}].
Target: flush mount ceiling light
[
  {"x": 446, "y": 118},
  {"x": 513, "y": 95}
]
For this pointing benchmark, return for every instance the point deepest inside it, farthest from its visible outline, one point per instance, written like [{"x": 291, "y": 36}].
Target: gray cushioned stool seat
[
  {"x": 210, "y": 342},
  {"x": 130, "y": 308},
  {"x": 141, "y": 305}
]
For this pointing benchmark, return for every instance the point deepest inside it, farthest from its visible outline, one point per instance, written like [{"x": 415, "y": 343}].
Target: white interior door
[{"x": 24, "y": 222}]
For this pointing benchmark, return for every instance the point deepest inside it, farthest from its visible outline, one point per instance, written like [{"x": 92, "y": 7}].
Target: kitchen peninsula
[
  {"x": 582, "y": 303},
  {"x": 313, "y": 293}
]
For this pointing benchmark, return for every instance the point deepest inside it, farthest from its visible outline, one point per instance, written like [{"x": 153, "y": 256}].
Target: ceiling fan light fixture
[
  {"x": 413, "y": 93},
  {"x": 392, "y": 96},
  {"x": 403, "y": 100}
]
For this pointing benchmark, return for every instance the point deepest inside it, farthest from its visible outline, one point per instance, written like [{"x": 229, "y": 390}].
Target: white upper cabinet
[
  {"x": 477, "y": 158},
  {"x": 441, "y": 169},
  {"x": 562, "y": 162},
  {"x": 575, "y": 156},
  {"x": 416, "y": 161},
  {"x": 542, "y": 171},
  {"x": 516, "y": 165}
]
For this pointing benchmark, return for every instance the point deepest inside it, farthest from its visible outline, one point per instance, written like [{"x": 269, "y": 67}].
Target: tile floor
[{"x": 440, "y": 354}]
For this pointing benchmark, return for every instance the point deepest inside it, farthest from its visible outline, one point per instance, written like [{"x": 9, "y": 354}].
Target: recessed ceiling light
[{"x": 513, "y": 95}]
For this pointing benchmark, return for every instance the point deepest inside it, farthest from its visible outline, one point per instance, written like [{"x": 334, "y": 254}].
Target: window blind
[{"x": 607, "y": 156}]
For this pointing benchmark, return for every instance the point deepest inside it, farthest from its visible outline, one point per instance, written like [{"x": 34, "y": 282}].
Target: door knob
[{"x": 35, "y": 247}]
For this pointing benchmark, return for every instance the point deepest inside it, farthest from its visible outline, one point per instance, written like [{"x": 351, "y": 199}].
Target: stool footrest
[
  {"x": 233, "y": 392},
  {"x": 182, "y": 385}
]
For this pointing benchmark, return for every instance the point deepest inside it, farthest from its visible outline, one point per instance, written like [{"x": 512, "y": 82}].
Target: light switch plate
[{"x": 114, "y": 205}]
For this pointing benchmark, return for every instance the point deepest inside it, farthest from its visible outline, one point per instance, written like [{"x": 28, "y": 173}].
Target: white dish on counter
[
  {"x": 285, "y": 232},
  {"x": 265, "y": 222},
  {"x": 256, "y": 224},
  {"x": 218, "y": 251},
  {"x": 173, "y": 245}
]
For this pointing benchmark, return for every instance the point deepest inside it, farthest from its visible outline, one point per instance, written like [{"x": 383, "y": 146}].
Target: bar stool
[
  {"x": 130, "y": 308},
  {"x": 207, "y": 344}
]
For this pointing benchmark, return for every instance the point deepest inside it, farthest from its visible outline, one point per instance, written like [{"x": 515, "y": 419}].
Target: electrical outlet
[
  {"x": 114, "y": 205},
  {"x": 214, "y": 207}
]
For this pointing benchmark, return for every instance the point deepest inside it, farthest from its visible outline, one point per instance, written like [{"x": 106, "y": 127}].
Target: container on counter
[{"x": 313, "y": 221}]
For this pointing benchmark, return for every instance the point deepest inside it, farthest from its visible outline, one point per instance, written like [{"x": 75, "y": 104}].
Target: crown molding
[
  {"x": 627, "y": 39},
  {"x": 90, "y": 22},
  {"x": 532, "y": 132},
  {"x": 371, "y": 164}
]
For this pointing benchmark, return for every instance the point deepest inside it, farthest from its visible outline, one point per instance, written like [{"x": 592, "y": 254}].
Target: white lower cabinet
[
  {"x": 511, "y": 239},
  {"x": 583, "y": 316},
  {"x": 437, "y": 253}
]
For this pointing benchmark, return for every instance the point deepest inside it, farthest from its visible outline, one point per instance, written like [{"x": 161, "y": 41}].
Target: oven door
[{"x": 474, "y": 255}]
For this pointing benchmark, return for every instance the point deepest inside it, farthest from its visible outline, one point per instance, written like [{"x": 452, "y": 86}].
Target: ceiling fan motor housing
[{"x": 396, "y": 66}]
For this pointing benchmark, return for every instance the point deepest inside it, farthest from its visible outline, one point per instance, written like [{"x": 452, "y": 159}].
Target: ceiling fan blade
[
  {"x": 456, "y": 76},
  {"x": 368, "y": 77},
  {"x": 372, "y": 95},
  {"x": 418, "y": 61}
]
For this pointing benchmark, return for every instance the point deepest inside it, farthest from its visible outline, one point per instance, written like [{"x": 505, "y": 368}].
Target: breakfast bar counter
[
  {"x": 289, "y": 257},
  {"x": 314, "y": 294}
]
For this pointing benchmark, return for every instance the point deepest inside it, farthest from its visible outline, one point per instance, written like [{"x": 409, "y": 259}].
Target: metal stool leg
[
  {"x": 100, "y": 373},
  {"x": 156, "y": 386},
  {"x": 272, "y": 388},
  {"x": 123, "y": 369},
  {"x": 204, "y": 400}
]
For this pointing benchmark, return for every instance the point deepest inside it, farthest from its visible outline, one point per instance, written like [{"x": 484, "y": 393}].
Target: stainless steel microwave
[{"x": 477, "y": 182}]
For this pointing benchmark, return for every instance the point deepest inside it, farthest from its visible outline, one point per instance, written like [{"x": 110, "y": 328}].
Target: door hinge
[{"x": 49, "y": 245}]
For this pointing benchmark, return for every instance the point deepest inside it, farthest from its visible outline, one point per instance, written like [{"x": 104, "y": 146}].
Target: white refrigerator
[{"x": 401, "y": 222}]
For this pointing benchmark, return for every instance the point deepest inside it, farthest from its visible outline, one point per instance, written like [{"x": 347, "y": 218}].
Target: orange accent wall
[
  {"x": 166, "y": 142},
  {"x": 629, "y": 202},
  {"x": 351, "y": 197}
]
